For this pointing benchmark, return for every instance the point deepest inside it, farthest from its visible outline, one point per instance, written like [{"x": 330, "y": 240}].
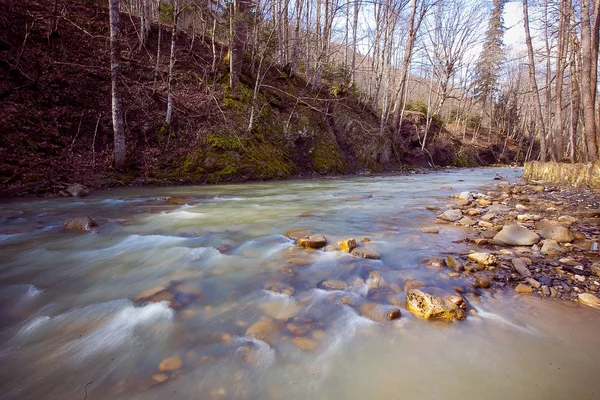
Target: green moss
[
  {"x": 327, "y": 156},
  {"x": 463, "y": 161}
]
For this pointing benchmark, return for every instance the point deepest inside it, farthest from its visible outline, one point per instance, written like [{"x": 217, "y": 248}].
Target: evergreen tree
[{"x": 492, "y": 54}]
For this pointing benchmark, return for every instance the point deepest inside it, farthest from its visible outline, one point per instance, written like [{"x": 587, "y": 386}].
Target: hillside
[{"x": 56, "y": 124}]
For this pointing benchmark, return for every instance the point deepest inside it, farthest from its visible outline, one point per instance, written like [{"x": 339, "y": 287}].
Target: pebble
[
  {"x": 521, "y": 267},
  {"x": 533, "y": 283},
  {"x": 304, "y": 343},
  {"x": 516, "y": 235},
  {"x": 170, "y": 364},
  {"x": 483, "y": 258},
  {"x": 589, "y": 300},
  {"x": 347, "y": 245},
  {"x": 524, "y": 289},
  {"x": 429, "y": 230},
  {"x": 451, "y": 215}
]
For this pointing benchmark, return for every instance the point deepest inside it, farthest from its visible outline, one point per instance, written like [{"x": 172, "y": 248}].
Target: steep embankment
[{"x": 56, "y": 122}]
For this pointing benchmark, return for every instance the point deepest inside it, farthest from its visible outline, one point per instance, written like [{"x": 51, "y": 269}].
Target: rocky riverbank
[{"x": 534, "y": 239}]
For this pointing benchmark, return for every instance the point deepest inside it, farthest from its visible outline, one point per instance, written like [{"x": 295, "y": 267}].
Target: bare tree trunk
[
  {"x": 296, "y": 45},
  {"x": 354, "y": 38},
  {"x": 239, "y": 32},
  {"x": 156, "y": 67},
  {"x": 588, "y": 85},
  {"x": 115, "y": 75},
  {"x": 562, "y": 48},
  {"x": 539, "y": 124},
  {"x": 410, "y": 42},
  {"x": 172, "y": 60},
  {"x": 145, "y": 22}
]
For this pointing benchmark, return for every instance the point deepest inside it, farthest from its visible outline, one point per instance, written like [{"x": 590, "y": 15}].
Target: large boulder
[
  {"x": 313, "y": 241},
  {"x": 428, "y": 306},
  {"x": 517, "y": 235},
  {"x": 78, "y": 190},
  {"x": 81, "y": 224}
]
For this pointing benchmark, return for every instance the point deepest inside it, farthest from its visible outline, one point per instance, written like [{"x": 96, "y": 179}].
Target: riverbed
[{"x": 161, "y": 299}]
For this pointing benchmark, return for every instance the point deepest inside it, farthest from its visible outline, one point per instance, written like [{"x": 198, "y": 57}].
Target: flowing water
[{"x": 73, "y": 324}]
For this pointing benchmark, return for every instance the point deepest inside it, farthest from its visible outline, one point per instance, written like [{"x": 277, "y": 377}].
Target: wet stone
[
  {"x": 435, "y": 263},
  {"x": 516, "y": 235},
  {"x": 521, "y": 267},
  {"x": 304, "y": 344},
  {"x": 454, "y": 264},
  {"x": 428, "y": 306},
  {"x": 347, "y": 245},
  {"x": 366, "y": 253},
  {"x": 429, "y": 230},
  {"x": 589, "y": 300},
  {"x": 334, "y": 284},
  {"x": 170, "y": 364},
  {"x": 450, "y": 215},
  {"x": 83, "y": 224},
  {"x": 523, "y": 289},
  {"x": 483, "y": 258},
  {"x": 313, "y": 241}
]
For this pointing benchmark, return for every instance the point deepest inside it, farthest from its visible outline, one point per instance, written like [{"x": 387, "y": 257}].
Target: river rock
[
  {"x": 589, "y": 300},
  {"x": 375, "y": 280},
  {"x": 81, "y": 224},
  {"x": 482, "y": 281},
  {"x": 554, "y": 231},
  {"x": 296, "y": 233},
  {"x": 450, "y": 215},
  {"x": 521, "y": 267},
  {"x": 305, "y": 344},
  {"x": 523, "y": 289},
  {"x": 483, "y": 258},
  {"x": 454, "y": 264},
  {"x": 313, "y": 241},
  {"x": 463, "y": 202},
  {"x": 533, "y": 283},
  {"x": 347, "y": 245},
  {"x": 458, "y": 300},
  {"x": 177, "y": 200},
  {"x": 435, "y": 263},
  {"x": 551, "y": 248},
  {"x": 516, "y": 235},
  {"x": 567, "y": 220},
  {"x": 160, "y": 377},
  {"x": 429, "y": 230},
  {"x": 379, "y": 313},
  {"x": 498, "y": 209},
  {"x": 334, "y": 284},
  {"x": 428, "y": 306},
  {"x": 263, "y": 329},
  {"x": 466, "y": 221},
  {"x": 465, "y": 196},
  {"x": 413, "y": 284},
  {"x": 366, "y": 253},
  {"x": 78, "y": 190},
  {"x": 365, "y": 240},
  {"x": 170, "y": 364}
]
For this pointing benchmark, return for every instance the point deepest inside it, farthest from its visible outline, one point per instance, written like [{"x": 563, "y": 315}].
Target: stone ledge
[{"x": 579, "y": 175}]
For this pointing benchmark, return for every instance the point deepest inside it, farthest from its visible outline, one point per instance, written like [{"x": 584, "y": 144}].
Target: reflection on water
[{"x": 208, "y": 300}]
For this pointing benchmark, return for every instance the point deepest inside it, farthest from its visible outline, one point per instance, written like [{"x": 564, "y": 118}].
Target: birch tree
[{"x": 115, "y": 75}]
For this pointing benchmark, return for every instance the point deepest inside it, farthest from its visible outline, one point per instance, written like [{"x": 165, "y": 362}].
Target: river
[{"x": 74, "y": 325}]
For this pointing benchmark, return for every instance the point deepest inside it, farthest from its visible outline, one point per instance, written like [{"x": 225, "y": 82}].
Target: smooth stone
[
  {"x": 82, "y": 224},
  {"x": 429, "y": 230},
  {"x": 313, "y": 241},
  {"x": 458, "y": 300},
  {"x": 521, "y": 267},
  {"x": 305, "y": 344},
  {"x": 551, "y": 247},
  {"x": 334, "y": 284},
  {"x": 463, "y": 202},
  {"x": 365, "y": 240},
  {"x": 375, "y": 280},
  {"x": 554, "y": 231},
  {"x": 78, "y": 190},
  {"x": 413, "y": 284},
  {"x": 435, "y": 263},
  {"x": 379, "y": 313},
  {"x": 160, "y": 378},
  {"x": 432, "y": 208},
  {"x": 498, "y": 209},
  {"x": 567, "y": 220},
  {"x": 366, "y": 253},
  {"x": 485, "y": 224},
  {"x": 451, "y": 215},
  {"x": 347, "y": 245},
  {"x": 482, "y": 281},
  {"x": 589, "y": 300},
  {"x": 466, "y": 221},
  {"x": 428, "y": 306},
  {"x": 484, "y": 202},
  {"x": 533, "y": 283},
  {"x": 546, "y": 290},
  {"x": 523, "y": 289},
  {"x": 296, "y": 233},
  {"x": 516, "y": 235},
  {"x": 483, "y": 258},
  {"x": 178, "y": 200},
  {"x": 454, "y": 264},
  {"x": 170, "y": 364},
  {"x": 263, "y": 329},
  {"x": 465, "y": 196}
]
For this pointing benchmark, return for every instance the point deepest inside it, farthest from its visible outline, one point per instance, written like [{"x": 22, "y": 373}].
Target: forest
[{"x": 192, "y": 91}]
